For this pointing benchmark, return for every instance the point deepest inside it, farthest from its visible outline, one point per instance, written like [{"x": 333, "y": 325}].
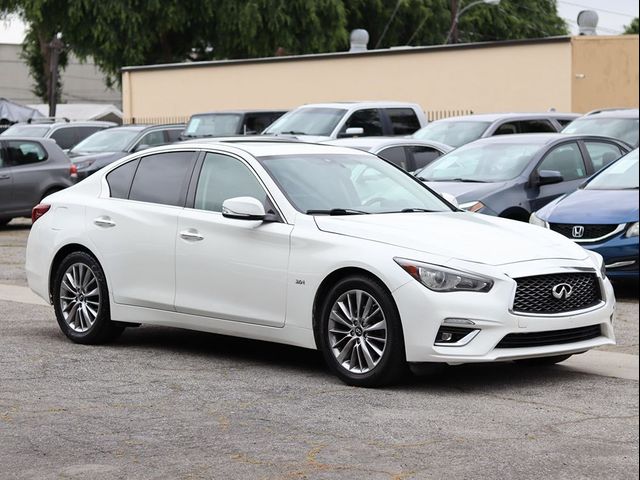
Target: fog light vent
[{"x": 455, "y": 336}]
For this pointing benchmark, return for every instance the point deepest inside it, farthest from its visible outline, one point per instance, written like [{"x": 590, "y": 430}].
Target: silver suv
[
  {"x": 65, "y": 134},
  {"x": 328, "y": 121},
  {"x": 30, "y": 169}
]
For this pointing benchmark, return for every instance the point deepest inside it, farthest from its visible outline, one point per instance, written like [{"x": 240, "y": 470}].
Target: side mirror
[
  {"x": 140, "y": 147},
  {"x": 243, "y": 208},
  {"x": 353, "y": 131},
  {"x": 549, "y": 177},
  {"x": 451, "y": 199}
]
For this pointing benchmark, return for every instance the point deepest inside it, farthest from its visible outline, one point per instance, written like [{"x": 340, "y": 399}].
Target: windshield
[
  {"x": 214, "y": 125},
  {"x": 307, "y": 121},
  {"x": 344, "y": 184},
  {"x": 481, "y": 162},
  {"x": 452, "y": 133},
  {"x": 26, "y": 131},
  {"x": 110, "y": 140},
  {"x": 621, "y": 175},
  {"x": 625, "y": 129}
]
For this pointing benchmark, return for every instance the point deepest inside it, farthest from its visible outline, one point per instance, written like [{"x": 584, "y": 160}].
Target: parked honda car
[
  {"x": 511, "y": 176},
  {"x": 602, "y": 215},
  {"x": 617, "y": 123},
  {"x": 30, "y": 169},
  {"x": 66, "y": 134},
  {"x": 102, "y": 148},
  {"x": 407, "y": 153},
  {"x": 280, "y": 242},
  {"x": 457, "y": 131},
  {"x": 327, "y": 121},
  {"x": 223, "y": 124}
]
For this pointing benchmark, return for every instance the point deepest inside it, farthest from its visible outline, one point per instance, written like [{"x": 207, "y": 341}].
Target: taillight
[
  {"x": 38, "y": 211},
  {"x": 73, "y": 171}
]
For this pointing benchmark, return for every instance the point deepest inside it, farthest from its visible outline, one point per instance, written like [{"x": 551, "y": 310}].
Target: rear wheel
[
  {"x": 81, "y": 301},
  {"x": 542, "y": 361},
  {"x": 360, "y": 333}
]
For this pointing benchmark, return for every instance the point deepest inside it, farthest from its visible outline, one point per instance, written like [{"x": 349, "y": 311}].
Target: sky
[{"x": 613, "y": 16}]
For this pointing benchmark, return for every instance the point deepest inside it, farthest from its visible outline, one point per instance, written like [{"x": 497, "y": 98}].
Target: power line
[{"x": 597, "y": 9}]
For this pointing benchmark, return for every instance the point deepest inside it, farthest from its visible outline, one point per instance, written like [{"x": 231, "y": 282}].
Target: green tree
[{"x": 632, "y": 28}]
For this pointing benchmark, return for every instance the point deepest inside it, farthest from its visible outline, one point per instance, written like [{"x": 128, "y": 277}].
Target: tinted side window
[
  {"x": 567, "y": 160},
  {"x": 404, "y": 121},
  {"x": 2, "y": 162},
  {"x": 535, "y": 126},
  {"x": 152, "y": 139},
  {"x": 64, "y": 137},
  {"x": 84, "y": 132},
  {"x": 507, "y": 129},
  {"x": 602, "y": 153},
  {"x": 257, "y": 122},
  {"x": 395, "y": 155},
  {"x": 423, "y": 156},
  {"x": 368, "y": 120},
  {"x": 162, "y": 178},
  {"x": 24, "y": 152},
  {"x": 120, "y": 179},
  {"x": 224, "y": 177},
  {"x": 174, "y": 134},
  {"x": 564, "y": 121}
]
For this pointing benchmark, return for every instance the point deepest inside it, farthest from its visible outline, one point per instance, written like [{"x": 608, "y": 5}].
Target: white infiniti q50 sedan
[{"x": 311, "y": 245}]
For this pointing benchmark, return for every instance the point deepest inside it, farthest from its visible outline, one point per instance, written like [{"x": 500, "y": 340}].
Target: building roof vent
[
  {"x": 359, "y": 39},
  {"x": 587, "y": 22}
]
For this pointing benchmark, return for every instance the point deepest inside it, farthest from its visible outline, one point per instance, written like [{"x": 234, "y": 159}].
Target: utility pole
[
  {"x": 55, "y": 47},
  {"x": 454, "y": 21}
]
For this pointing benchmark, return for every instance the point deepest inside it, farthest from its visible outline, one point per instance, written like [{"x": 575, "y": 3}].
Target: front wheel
[
  {"x": 81, "y": 301},
  {"x": 360, "y": 333}
]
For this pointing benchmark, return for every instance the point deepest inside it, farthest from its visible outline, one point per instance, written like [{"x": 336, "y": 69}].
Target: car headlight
[
  {"x": 443, "y": 279},
  {"x": 633, "y": 231},
  {"x": 536, "y": 220},
  {"x": 599, "y": 261},
  {"x": 472, "y": 206}
]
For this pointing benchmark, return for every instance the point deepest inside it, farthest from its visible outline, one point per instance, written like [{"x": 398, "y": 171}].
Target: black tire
[
  {"x": 391, "y": 366},
  {"x": 542, "y": 361},
  {"x": 103, "y": 329}
]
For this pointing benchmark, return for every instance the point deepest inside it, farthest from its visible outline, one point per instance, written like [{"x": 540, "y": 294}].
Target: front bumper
[
  {"x": 620, "y": 256},
  {"x": 423, "y": 312}
]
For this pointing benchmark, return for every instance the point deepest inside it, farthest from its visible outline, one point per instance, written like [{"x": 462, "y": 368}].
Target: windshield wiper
[
  {"x": 465, "y": 180},
  {"x": 411, "y": 210},
  {"x": 292, "y": 132},
  {"x": 336, "y": 211}
]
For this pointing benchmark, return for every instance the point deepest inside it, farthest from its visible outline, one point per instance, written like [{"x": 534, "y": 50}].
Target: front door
[{"x": 231, "y": 269}]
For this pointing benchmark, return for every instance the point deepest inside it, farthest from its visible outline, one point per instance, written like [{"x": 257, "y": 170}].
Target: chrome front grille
[
  {"x": 557, "y": 293},
  {"x": 585, "y": 233}
]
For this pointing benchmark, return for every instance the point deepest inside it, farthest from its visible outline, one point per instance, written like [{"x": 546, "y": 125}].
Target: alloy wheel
[{"x": 79, "y": 297}]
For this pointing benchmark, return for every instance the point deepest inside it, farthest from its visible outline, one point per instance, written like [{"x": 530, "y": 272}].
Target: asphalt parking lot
[{"x": 165, "y": 403}]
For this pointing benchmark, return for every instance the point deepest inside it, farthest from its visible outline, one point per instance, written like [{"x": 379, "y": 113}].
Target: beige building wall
[
  {"x": 605, "y": 72},
  {"x": 514, "y": 76}
]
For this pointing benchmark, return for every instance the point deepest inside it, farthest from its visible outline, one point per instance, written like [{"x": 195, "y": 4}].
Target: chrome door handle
[
  {"x": 191, "y": 235},
  {"x": 104, "y": 222}
]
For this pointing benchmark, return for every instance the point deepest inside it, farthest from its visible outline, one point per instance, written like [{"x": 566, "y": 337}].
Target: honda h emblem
[
  {"x": 577, "y": 231},
  {"x": 562, "y": 291}
]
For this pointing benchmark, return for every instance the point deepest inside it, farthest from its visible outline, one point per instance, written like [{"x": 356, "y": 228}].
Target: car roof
[
  {"x": 270, "y": 147},
  {"x": 493, "y": 117},
  {"x": 242, "y": 112},
  {"x": 359, "y": 104},
  {"x": 372, "y": 143},
  {"x": 538, "y": 138},
  {"x": 50, "y": 125},
  {"x": 613, "y": 113},
  {"x": 140, "y": 127}
]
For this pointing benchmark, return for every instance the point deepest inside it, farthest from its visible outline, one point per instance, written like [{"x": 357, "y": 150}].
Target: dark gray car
[
  {"x": 513, "y": 175},
  {"x": 457, "y": 131},
  {"x": 30, "y": 169},
  {"x": 65, "y": 134},
  {"x": 234, "y": 122},
  {"x": 103, "y": 148}
]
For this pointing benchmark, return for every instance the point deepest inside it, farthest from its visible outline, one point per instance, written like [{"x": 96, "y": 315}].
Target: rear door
[
  {"x": 401, "y": 121},
  {"x": 135, "y": 227},
  {"x": 602, "y": 153},
  {"x": 230, "y": 269},
  {"x": 567, "y": 159},
  {"x": 32, "y": 172}
]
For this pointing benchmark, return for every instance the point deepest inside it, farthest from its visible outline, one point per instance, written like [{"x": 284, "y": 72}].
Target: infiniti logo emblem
[
  {"x": 562, "y": 291},
  {"x": 577, "y": 231}
]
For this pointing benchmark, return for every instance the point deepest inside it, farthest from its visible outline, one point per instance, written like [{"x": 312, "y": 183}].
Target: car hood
[
  {"x": 465, "y": 236},
  {"x": 466, "y": 191},
  {"x": 103, "y": 158},
  {"x": 593, "y": 207}
]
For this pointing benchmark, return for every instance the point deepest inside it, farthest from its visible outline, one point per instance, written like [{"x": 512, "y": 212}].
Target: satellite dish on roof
[{"x": 587, "y": 22}]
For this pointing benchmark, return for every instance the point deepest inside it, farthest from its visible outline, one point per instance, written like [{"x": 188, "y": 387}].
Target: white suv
[{"x": 327, "y": 121}]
